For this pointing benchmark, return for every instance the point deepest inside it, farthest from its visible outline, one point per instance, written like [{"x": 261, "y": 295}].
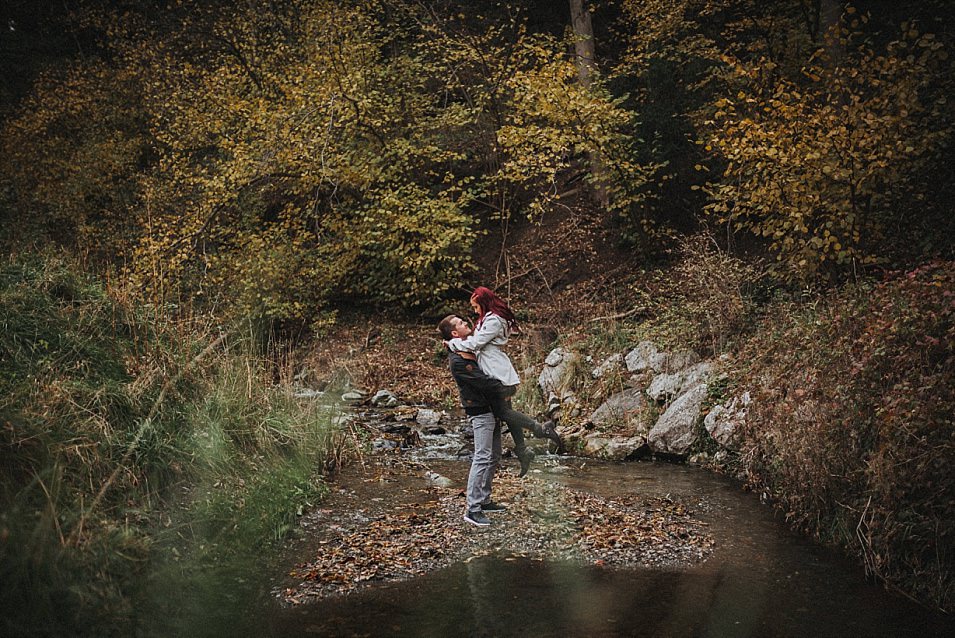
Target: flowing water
[{"x": 760, "y": 580}]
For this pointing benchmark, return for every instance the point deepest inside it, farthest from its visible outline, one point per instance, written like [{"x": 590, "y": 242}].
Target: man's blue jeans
[{"x": 487, "y": 454}]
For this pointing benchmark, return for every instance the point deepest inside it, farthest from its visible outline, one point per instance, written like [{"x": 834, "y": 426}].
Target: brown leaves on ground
[{"x": 544, "y": 520}]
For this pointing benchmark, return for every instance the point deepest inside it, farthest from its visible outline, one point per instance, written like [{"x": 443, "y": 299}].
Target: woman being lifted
[{"x": 495, "y": 324}]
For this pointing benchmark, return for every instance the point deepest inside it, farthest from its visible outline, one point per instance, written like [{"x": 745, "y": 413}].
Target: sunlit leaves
[
  {"x": 821, "y": 137},
  {"x": 328, "y": 126}
]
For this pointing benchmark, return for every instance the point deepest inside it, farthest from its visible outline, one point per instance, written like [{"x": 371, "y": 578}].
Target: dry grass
[{"x": 851, "y": 427}]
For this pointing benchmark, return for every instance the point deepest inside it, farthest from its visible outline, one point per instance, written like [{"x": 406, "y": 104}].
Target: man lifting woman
[{"x": 486, "y": 390}]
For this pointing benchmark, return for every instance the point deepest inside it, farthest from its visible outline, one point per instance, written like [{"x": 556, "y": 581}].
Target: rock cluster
[
  {"x": 659, "y": 409},
  {"x": 556, "y": 382}
]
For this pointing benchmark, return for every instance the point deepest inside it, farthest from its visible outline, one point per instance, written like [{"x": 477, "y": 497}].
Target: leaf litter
[{"x": 545, "y": 520}]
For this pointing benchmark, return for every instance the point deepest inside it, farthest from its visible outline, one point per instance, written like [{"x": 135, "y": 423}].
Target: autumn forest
[{"x": 195, "y": 195}]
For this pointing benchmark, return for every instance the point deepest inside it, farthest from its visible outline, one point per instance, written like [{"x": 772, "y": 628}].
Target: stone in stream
[
  {"x": 434, "y": 478},
  {"x": 307, "y": 393},
  {"x": 405, "y": 413},
  {"x": 384, "y": 399},
  {"x": 384, "y": 445},
  {"x": 353, "y": 396},
  {"x": 428, "y": 418},
  {"x": 394, "y": 428},
  {"x": 613, "y": 448}
]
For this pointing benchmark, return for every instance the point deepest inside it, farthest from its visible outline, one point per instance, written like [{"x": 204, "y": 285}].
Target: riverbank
[
  {"x": 239, "y": 441},
  {"x": 139, "y": 451}
]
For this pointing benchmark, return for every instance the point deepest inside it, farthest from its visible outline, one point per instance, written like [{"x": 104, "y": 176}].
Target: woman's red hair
[{"x": 488, "y": 300}]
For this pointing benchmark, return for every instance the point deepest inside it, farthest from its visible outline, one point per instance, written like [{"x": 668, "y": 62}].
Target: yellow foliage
[{"x": 826, "y": 170}]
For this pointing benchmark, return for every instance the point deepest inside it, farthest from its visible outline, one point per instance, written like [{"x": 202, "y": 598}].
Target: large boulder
[
  {"x": 680, "y": 359},
  {"x": 675, "y": 431},
  {"x": 557, "y": 375},
  {"x": 621, "y": 409},
  {"x": 723, "y": 421},
  {"x": 645, "y": 357},
  {"x": 666, "y": 387},
  {"x": 614, "y": 448},
  {"x": 556, "y": 382},
  {"x": 610, "y": 364}
]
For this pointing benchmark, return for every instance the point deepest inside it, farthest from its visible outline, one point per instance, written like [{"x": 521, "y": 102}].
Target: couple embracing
[{"x": 487, "y": 380}]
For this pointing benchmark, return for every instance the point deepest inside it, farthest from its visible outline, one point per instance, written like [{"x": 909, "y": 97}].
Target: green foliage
[
  {"x": 271, "y": 161},
  {"x": 73, "y": 155},
  {"x": 707, "y": 300},
  {"x": 851, "y": 425},
  {"x": 804, "y": 128},
  {"x": 104, "y": 419},
  {"x": 552, "y": 120},
  {"x": 716, "y": 292}
]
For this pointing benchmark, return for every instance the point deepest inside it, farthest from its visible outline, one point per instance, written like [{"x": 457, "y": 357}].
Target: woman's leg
[{"x": 518, "y": 421}]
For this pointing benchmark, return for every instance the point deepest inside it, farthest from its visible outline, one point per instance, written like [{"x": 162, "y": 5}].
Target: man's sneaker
[
  {"x": 550, "y": 431},
  {"x": 477, "y": 518},
  {"x": 491, "y": 506},
  {"x": 526, "y": 456}
]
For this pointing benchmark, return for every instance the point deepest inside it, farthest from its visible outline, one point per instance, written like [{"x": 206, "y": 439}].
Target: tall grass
[{"x": 131, "y": 442}]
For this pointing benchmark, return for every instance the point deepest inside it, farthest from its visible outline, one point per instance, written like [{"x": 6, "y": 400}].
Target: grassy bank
[
  {"x": 134, "y": 450},
  {"x": 851, "y": 430}
]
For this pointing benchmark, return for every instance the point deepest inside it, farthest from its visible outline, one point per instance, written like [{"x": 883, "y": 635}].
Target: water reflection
[
  {"x": 761, "y": 581},
  {"x": 493, "y": 596}
]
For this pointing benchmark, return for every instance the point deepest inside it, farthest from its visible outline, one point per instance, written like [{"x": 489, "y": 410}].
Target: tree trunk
[
  {"x": 830, "y": 23},
  {"x": 586, "y": 67},
  {"x": 584, "y": 43}
]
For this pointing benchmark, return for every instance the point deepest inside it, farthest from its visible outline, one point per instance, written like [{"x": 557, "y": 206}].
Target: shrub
[
  {"x": 851, "y": 428},
  {"x": 705, "y": 300}
]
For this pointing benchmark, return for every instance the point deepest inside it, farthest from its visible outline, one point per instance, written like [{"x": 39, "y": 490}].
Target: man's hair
[{"x": 444, "y": 326}]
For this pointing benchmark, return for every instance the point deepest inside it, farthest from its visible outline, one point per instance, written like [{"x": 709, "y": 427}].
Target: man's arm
[
  {"x": 467, "y": 372},
  {"x": 487, "y": 332}
]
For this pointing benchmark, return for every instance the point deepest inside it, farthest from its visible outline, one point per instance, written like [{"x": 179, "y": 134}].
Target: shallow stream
[{"x": 759, "y": 580}]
